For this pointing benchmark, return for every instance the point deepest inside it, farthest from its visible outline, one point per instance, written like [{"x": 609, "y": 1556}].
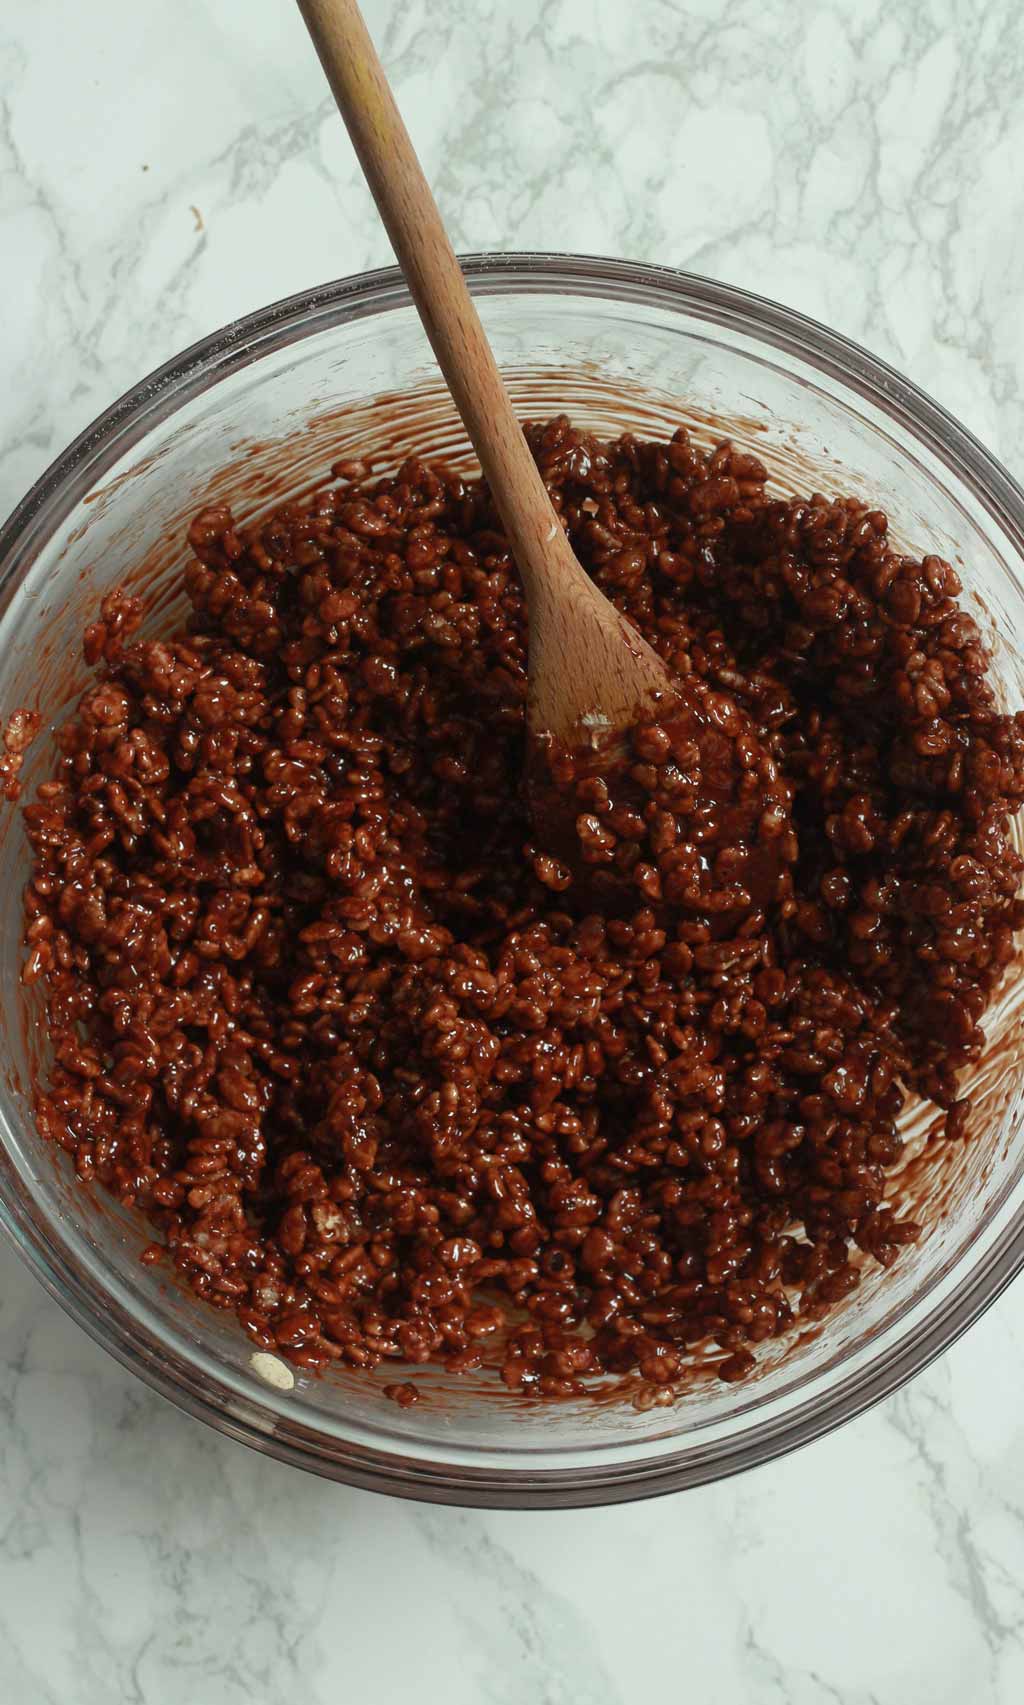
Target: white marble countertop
[{"x": 858, "y": 159}]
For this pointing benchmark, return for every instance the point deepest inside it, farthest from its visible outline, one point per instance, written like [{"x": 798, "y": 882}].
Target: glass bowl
[{"x": 258, "y": 412}]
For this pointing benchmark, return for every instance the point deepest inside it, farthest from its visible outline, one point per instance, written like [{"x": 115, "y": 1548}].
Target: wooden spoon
[{"x": 591, "y": 674}]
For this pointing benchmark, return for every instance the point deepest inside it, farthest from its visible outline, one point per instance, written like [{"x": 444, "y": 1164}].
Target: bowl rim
[{"x": 76, "y": 471}]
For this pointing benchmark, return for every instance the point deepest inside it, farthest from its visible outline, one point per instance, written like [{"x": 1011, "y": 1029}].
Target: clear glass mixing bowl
[{"x": 616, "y": 345}]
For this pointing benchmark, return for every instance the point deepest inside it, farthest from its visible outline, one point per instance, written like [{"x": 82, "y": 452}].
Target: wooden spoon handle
[{"x": 438, "y": 287}]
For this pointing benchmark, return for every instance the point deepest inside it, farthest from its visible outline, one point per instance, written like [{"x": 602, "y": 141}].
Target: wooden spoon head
[
  {"x": 592, "y": 674},
  {"x": 593, "y": 680}
]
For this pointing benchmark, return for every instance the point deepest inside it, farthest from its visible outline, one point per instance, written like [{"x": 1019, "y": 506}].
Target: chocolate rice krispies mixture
[{"x": 327, "y": 1009}]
